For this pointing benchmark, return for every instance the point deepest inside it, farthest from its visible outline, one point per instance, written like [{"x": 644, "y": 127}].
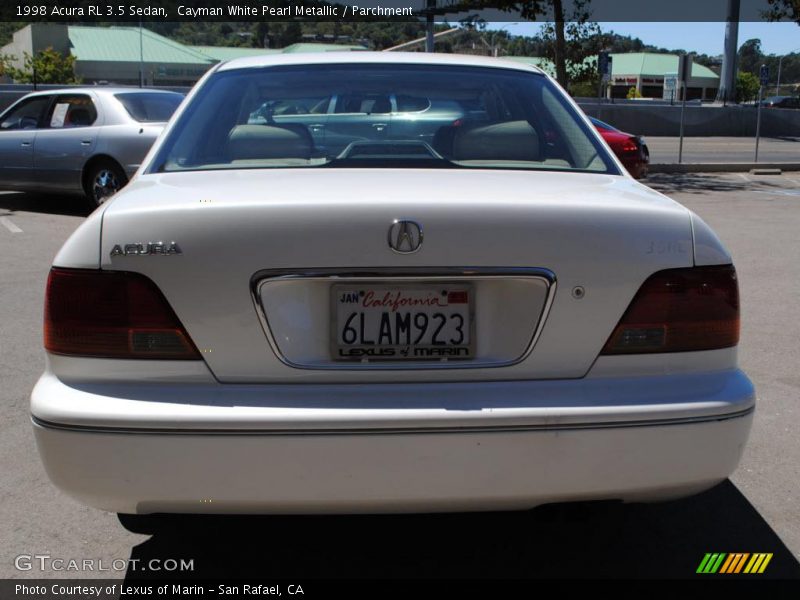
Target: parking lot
[
  {"x": 758, "y": 510},
  {"x": 722, "y": 149}
]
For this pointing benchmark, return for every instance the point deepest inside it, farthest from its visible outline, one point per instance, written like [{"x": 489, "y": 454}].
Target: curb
[{"x": 739, "y": 167}]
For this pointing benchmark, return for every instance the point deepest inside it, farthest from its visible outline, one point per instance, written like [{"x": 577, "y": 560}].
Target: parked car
[
  {"x": 489, "y": 320},
  {"x": 87, "y": 141},
  {"x": 631, "y": 149},
  {"x": 337, "y": 120},
  {"x": 781, "y": 102}
]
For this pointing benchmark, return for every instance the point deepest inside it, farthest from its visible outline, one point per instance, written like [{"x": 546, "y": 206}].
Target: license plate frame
[{"x": 426, "y": 353}]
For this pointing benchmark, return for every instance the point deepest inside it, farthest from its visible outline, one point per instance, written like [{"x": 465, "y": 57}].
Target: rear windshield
[
  {"x": 148, "y": 107},
  {"x": 389, "y": 116}
]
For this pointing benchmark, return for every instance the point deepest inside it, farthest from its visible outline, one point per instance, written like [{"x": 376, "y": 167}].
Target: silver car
[
  {"x": 353, "y": 122},
  {"x": 81, "y": 140}
]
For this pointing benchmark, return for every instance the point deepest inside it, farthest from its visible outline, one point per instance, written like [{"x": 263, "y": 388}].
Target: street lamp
[{"x": 780, "y": 62}]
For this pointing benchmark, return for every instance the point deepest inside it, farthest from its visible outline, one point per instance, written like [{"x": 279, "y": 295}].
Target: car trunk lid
[{"x": 567, "y": 252}]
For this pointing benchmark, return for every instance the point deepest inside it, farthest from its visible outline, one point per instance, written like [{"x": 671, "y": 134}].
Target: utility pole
[
  {"x": 727, "y": 82},
  {"x": 141, "y": 55},
  {"x": 430, "y": 5},
  {"x": 763, "y": 76},
  {"x": 685, "y": 62}
]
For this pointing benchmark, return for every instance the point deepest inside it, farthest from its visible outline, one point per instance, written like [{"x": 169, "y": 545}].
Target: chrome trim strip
[
  {"x": 397, "y": 430},
  {"x": 388, "y": 275}
]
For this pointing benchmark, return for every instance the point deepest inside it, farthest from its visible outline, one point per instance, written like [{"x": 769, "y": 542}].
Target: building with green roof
[
  {"x": 113, "y": 54},
  {"x": 222, "y": 53},
  {"x": 122, "y": 55},
  {"x": 118, "y": 55},
  {"x": 645, "y": 71}
]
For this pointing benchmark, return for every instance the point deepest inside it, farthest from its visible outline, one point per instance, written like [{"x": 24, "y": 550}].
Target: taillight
[
  {"x": 680, "y": 310},
  {"x": 111, "y": 314},
  {"x": 630, "y": 145}
]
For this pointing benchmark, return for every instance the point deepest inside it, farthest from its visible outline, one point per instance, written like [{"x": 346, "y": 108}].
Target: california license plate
[{"x": 402, "y": 322}]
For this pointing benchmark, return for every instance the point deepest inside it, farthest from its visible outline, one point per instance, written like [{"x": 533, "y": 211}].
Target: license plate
[{"x": 402, "y": 322}]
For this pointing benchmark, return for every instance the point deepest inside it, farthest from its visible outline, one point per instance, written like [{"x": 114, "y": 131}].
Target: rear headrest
[
  {"x": 269, "y": 141},
  {"x": 381, "y": 105},
  {"x": 79, "y": 116},
  {"x": 511, "y": 140}
]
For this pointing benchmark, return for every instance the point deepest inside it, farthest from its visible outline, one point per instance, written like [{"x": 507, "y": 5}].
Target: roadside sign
[
  {"x": 670, "y": 86},
  {"x": 604, "y": 63},
  {"x": 763, "y": 74},
  {"x": 685, "y": 62}
]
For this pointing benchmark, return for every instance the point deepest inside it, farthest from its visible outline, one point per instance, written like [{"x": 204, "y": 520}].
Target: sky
[{"x": 704, "y": 38}]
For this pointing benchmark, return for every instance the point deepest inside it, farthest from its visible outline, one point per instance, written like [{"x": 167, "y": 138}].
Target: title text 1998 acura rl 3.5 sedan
[{"x": 489, "y": 316}]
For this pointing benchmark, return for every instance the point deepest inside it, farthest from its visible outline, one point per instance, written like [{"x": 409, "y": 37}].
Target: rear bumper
[{"x": 527, "y": 445}]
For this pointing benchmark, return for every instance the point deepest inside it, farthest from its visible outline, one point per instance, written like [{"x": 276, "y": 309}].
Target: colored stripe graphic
[
  {"x": 758, "y": 563},
  {"x": 741, "y": 562},
  {"x": 727, "y": 564},
  {"x": 703, "y": 563},
  {"x": 734, "y": 562},
  {"x": 711, "y": 562}
]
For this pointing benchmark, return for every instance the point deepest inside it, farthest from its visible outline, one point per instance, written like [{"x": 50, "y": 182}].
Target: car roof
[
  {"x": 103, "y": 90},
  {"x": 365, "y": 57}
]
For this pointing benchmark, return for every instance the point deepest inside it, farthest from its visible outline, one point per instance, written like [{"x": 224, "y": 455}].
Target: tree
[
  {"x": 783, "y": 9},
  {"x": 531, "y": 9},
  {"x": 284, "y": 34},
  {"x": 5, "y": 63},
  {"x": 48, "y": 66},
  {"x": 750, "y": 56},
  {"x": 633, "y": 93},
  {"x": 582, "y": 43},
  {"x": 747, "y": 86}
]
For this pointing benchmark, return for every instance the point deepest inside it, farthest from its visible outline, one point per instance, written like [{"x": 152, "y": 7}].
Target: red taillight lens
[
  {"x": 111, "y": 314},
  {"x": 630, "y": 145},
  {"x": 680, "y": 310}
]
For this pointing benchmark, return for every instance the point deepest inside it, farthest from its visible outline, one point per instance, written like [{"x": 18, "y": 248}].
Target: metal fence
[{"x": 651, "y": 117}]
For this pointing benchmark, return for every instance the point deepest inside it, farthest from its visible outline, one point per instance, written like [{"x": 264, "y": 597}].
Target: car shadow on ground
[
  {"x": 666, "y": 540},
  {"x": 701, "y": 183},
  {"x": 73, "y": 206}
]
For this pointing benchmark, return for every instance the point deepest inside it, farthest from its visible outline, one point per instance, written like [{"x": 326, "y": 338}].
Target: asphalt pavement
[
  {"x": 758, "y": 510},
  {"x": 723, "y": 149}
]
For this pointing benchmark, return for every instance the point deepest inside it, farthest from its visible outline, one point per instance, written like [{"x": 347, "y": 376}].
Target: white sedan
[{"x": 493, "y": 315}]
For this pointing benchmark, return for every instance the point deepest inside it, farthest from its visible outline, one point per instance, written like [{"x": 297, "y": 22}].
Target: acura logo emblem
[{"x": 405, "y": 237}]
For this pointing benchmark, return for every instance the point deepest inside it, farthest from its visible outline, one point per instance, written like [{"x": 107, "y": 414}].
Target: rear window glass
[
  {"x": 391, "y": 116},
  {"x": 148, "y": 107},
  {"x": 407, "y": 103}
]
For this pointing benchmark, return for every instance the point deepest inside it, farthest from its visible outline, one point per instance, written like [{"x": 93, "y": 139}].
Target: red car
[{"x": 630, "y": 149}]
